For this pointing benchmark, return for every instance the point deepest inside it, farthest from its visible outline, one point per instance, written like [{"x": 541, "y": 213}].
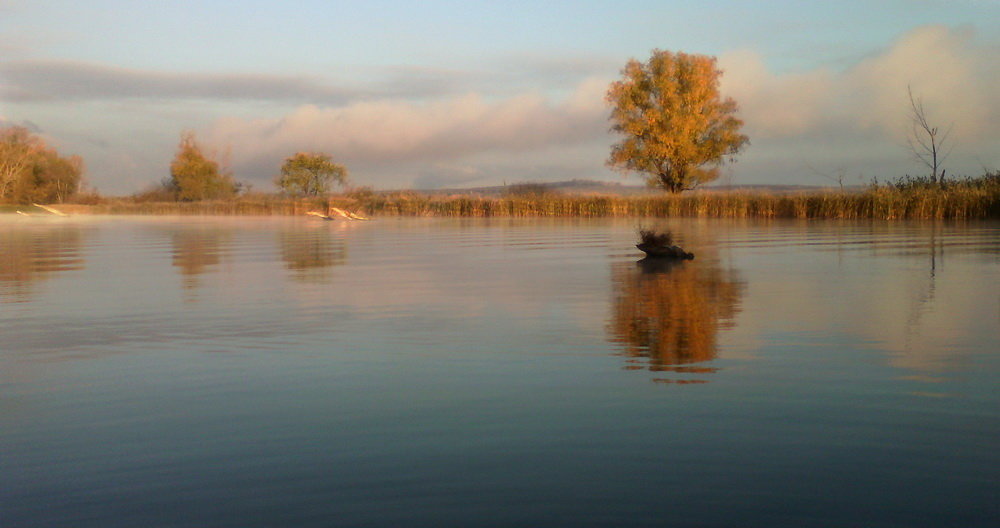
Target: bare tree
[
  {"x": 837, "y": 176},
  {"x": 925, "y": 141}
]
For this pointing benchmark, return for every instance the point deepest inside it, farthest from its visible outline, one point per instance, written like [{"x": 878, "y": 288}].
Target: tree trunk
[
  {"x": 669, "y": 183},
  {"x": 672, "y": 181}
]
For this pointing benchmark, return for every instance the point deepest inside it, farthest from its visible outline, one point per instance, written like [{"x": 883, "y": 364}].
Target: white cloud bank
[
  {"x": 947, "y": 68},
  {"x": 398, "y": 136},
  {"x": 854, "y": 118}
]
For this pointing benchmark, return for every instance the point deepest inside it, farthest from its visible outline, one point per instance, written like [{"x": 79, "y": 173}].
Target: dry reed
[{"x": 969, "y": 199}]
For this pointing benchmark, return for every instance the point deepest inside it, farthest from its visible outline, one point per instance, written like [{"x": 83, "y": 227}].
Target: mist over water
[{"x": 496, "y": 372}]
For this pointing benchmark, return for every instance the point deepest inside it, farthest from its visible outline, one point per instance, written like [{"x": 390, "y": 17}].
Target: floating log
[
  {"x": 347, "y": 214},
  {"x": 661, "y": 251},
  {"x": 319, "y": 215},
  {"x": 52, "y": 210},
  {"x": 660, "y": 244}
]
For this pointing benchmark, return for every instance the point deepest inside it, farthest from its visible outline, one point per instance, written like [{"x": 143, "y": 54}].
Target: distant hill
[{"x": 604, "y": 188}]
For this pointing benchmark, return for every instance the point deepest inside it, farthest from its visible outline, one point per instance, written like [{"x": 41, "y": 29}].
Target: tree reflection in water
[
  {"x": 309, "y": 254},
  {"x": 667, "y": 314},
  {"x": 197, "y": 251},
  {"x": 28, "y": 256}
]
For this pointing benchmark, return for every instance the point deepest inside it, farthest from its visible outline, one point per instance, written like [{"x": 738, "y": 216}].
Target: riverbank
[
  {"x": 973, "y": 199},
  {"x": 867, "y": 205}
]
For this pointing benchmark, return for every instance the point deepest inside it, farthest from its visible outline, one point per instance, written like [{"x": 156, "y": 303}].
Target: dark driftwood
[{"x": 660, "y": 251}]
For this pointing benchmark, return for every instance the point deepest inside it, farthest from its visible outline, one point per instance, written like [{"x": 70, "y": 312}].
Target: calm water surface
[{"x": 433, "y": 372}]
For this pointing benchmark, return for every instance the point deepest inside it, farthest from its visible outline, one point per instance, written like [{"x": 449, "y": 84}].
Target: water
[{"x": 435, "y": 372}]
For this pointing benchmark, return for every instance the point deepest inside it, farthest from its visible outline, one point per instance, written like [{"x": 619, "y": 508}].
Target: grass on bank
[{"x": 905, "y": 198}]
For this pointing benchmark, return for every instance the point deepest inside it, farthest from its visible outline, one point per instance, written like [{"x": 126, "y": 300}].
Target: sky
[{"x": 438, "y": 94}]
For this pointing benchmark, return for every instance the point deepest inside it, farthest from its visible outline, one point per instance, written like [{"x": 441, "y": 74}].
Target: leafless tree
[
  {"x": 837, "y": 176},
  {"x": 925, "y": 141}
]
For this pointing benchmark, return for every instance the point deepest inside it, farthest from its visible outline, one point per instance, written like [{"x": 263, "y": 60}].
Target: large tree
[
  {"x": 310, "y": 174},
  {"x": 677, "y": 127},
  {"x": 194, "y": 176}
]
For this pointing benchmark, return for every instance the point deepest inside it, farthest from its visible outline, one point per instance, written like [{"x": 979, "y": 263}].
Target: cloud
[
  {"x": 11, "y": 46},
  {"x": 48, "y": 80},
  {"x": 953, "y": 74},
  {"x": 443, "y": 175},
  {"x": 853, "y": 117},
  {"x": 948, "y": 68},
  {"x": 557, "y": 71},
  {"x": 775, "y": 105},
  {"x": 31, "y": 126},
  {"x": 439, "y": 133},
  {"x": 34, "y": 80}
]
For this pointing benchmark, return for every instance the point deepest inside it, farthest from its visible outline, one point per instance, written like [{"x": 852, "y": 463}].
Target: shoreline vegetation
[{"x": 910, "y": 198}]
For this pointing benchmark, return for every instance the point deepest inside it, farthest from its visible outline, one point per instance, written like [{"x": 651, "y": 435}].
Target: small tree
[
  {"x": 52, "y": 178},
  {"x": 30, "y": 171},
  {"x": 65, "y": 178},
  {"x": 193, "y": 176},
  {"x": 309, "y": 174},
  {"x": 837, "y": 176},
  {"x": 18, "y": 149},
  {"x": 677, "y": 128},
  {"x": 925, "y": 141}
]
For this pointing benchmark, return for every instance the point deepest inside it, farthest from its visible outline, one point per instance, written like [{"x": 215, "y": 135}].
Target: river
[{"x": 245, "y": 371}]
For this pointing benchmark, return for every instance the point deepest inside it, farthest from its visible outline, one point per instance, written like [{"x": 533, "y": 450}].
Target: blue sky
[{"x": 432, "y": 94}]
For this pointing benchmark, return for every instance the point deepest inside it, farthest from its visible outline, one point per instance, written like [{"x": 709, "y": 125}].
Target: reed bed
[
  {"x": 880, "y": 203},
  {"x": 247, "y": 206},
  {"x": 969, "y": 199}
]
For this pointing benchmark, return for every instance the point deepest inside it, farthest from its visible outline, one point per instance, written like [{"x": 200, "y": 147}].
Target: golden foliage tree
[
  {"x": 677, "y": 127},
  {"x": 310, "y": 174},
  {"x": 17, "y": 150},
  {"x": 194, "y": 176},
  {"x": 52, "y": 179},
  {"x": 30, "y": 171}
]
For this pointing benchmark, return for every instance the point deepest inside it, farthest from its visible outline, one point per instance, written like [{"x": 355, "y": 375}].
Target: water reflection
[
  {"x": 197, "y": 251},
  {"x": 667, "y": 314},
  {"x": 310, "y": 254},
  {"x": 923, "y": 294},
  {"x": 32, "y": 255},
  {"x": 451, "y": 348}
]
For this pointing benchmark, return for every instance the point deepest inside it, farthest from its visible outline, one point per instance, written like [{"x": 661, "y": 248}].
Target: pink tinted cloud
[
  {"x": 442, "y": 130},
  {"x": 948, "y": 68}
]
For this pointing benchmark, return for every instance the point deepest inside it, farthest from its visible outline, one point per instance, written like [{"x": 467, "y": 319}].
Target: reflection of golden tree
[
  {"x": 310, "y": 254},
  {"x": 195, "y": 251},
  {"x": 668, "y": 314},
  {"x": 33, "y": 254}
]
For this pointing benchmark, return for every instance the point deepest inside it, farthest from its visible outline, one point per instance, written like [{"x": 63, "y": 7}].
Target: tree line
[
  {"x": 31, "y": 171},
  {"x": 675, "y": 127},
  {"x": 195, "y": 175}
]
